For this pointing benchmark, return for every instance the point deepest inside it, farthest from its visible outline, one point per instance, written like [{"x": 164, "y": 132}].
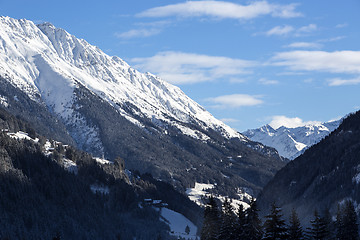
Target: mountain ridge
[
  {"x": 324, "y": 176},
  {"x": 291, "y": 142},
  {"x": 109, "y": 109}
]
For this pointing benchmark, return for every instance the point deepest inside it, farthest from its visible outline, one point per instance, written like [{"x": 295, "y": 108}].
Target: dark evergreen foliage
[
  {"x": 318, "y": 229},
  {"x": 228, "y": 222},
  {"x": 274, "y": 226},
  {"x": 347, "y": 223},
  {"x": 253, "y": 226},
  {"x": 295, "y": 231},
  {"x": 240, "y": 223},
  {"x": 211, "y": 225}
]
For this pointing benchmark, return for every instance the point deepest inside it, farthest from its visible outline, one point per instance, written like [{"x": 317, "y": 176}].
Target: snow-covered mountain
[
  {"x": 34, "y": 54},
  {"x": 72, "y": 91},
  {"x": 292, "y": 142}
]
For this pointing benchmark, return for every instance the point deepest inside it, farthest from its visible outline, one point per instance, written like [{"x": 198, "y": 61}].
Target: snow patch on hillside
[
  {"x": 70, "y": 166},
  {"x": 4, "y": 101},
  {"x": 178, "y": 223},
  {"x": 22, "y": 135},
  {"x": 199, "y": 193}
]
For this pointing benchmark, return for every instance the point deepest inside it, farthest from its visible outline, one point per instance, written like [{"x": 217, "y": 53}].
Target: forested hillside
[{"x": 41, "y": 199}]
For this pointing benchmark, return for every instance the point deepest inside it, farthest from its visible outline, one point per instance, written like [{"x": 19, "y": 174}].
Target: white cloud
[
  {"x": 342, "y": 25},
  {"x": 278, "y": 121},
  {"x": 333, "y": 62},
  {"x": 135, "y": 33},
  {"x": 235, "y": 101},
  {"x": 265, "y": 81},
  {"x": 286, "y": 30},
  {"x": 309, "y": 28},
  {"x": 304, "y": 45},
  {"x": 222, "y": 9},
  {"x": 144, "y": 30},
  {"x": 182, "y": 68},
  {"x": 341, "y": 82},
  {"x": 332, "y": 39},
  {"x": 280, "y": 30}
]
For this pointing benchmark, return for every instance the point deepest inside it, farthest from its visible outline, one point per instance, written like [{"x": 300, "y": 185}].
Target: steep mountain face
[
  {"x": 49, "y": 189},
  {"x": 99, "y": 103},
  {"x": 324, "y": 175},
  {"x": 291, "y": 142}
]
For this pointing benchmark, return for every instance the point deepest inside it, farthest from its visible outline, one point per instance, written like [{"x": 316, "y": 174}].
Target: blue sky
[{"x": 247, "y": 62}]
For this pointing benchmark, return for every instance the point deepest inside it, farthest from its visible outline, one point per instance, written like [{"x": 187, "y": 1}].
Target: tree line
[{"x": 223, "y": 223}]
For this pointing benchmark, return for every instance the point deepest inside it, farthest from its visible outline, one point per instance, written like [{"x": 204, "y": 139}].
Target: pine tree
[
  {"x": 295, "y": 231},
  {"x": 319, "y": 229},
  {"x": 351, "y": 227},
  {"x": 240, "y": 223},
  {"x": 210, "y": 229},
  {"x": 339, "y": 223},
  {"x": 187, "y": 229},
  {"x": 253, "y": 228},
  {"x": 274, "y": 225},
  {"x": 346, "y": 222},
  {"x": 328, "y": 225},
  {"x": 228, "y": 222}
]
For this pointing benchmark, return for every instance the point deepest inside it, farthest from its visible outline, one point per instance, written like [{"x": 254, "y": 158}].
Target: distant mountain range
[
  {"x": 71, "y": 91},
  {"x": 291, "y": 142},
  {"x": 325, "y": 175}
]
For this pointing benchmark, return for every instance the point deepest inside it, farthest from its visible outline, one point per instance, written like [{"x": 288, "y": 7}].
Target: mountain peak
[{"x": 292, "y": 141}]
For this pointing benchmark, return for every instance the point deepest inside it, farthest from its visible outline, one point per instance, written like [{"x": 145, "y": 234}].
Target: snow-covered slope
[
  {"x": 76, "y": 93},
  {"x": 291, "y": 142},
  {"x": 32, "y": 54}
]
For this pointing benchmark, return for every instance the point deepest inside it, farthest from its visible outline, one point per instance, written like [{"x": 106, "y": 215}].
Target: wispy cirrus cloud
[
  {"x": 306, "y": 29},
  {"x": 144, "y": 30},
  {"x": 222, "y": 9},
  {"x": 280, "y": 30},
  {"x": 265, "y": 81},
  {"x": 313, "y": 45},
  {"x": 186, "y": 68},
  {"x": 342, "y": 82},
  {"x": 287, "y": 30},
  {"x": 347, "y": 62},
  {"x": 235, "y": 101},
  {"x": 138, "y": 33},
  {"x": 341, "y": 25}
]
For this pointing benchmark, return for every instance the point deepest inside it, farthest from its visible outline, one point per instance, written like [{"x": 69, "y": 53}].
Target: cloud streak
[
  {"x": 222, "y": 10},
  {"x": 305, "y": 45},
  {"x": 187, "y": 68},
  {"x": 136, "y": 33},
  {"x": 341, "y": 82},
  {"x": 144, "y": 30},
  {"x": 280, "y": 30},
  {"x": 332, "y": 62},
  {"x": 286, "y": 30},
  {"x": 235, "y": 101}
]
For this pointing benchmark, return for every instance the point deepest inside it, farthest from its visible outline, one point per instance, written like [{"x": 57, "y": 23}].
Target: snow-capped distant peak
[{"x": 292, "y": 141}]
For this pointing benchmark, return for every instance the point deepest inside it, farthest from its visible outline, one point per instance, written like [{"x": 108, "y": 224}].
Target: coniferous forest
[
  {"x": 40, "y": 199},
  {"x": 223, "y": 223}
]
